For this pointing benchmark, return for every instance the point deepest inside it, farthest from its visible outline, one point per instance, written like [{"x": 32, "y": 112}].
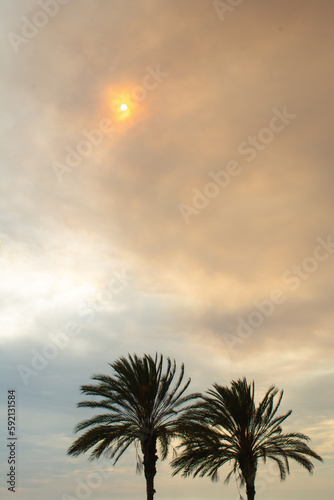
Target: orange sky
[{"x": 197, "y": 223}]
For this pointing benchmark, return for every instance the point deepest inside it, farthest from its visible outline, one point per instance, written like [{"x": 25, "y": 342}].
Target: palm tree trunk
[
  {"x": 150, "y": 458},
  {"x": 149, "y": 487},
  {"x": 250, "y": 489},
  {"x": 249, "y": 473}
]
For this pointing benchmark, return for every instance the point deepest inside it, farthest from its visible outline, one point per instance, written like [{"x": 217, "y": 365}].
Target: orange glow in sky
[{"x": 121, "y": 104}]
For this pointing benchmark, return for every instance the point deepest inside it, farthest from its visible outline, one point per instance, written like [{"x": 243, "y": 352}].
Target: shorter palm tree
[
  {"x": 225, "y": 426},
  {"x": 140, "y": 406}
]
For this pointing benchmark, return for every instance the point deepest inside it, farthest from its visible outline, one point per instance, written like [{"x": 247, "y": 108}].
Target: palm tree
[
  {"x": 141, "y": 408},
  {"x": 226, "y": 426}
]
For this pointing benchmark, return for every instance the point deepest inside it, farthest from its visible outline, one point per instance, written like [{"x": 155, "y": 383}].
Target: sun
[{"x": 122, "y": 105}]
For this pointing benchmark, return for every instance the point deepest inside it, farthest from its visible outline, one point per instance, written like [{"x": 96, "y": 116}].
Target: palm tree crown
[
  {"x": 226, "y": 426},
  {"x": 141, "y": 407}
]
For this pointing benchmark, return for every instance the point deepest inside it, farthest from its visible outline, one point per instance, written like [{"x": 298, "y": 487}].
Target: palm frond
[
  {"x": 224, "y": 425},
  {"x": 140, "y": 402}
]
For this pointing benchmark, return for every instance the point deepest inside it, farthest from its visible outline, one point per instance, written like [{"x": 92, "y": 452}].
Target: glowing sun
[{"x": 122, "y": 105}]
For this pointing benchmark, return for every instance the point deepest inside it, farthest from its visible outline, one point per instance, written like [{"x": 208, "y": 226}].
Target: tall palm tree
[
  {"x": 141, "y": 406},
  {"x": 226, "y": 426}
]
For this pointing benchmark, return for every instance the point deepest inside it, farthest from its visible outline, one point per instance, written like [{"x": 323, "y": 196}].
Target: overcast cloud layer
[{"x": 198, "y": 224}]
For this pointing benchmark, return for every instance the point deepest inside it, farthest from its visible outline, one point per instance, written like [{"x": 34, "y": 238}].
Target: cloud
[{"x": 119, "y": 208}]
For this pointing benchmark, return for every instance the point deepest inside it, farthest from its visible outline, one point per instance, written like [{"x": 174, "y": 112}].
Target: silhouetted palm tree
[
  {"x": 141, "y": 407},
  {"x": 226, "y": 426}
]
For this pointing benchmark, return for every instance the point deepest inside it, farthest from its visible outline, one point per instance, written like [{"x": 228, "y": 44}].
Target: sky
[{"x": 196, "y": 223}]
